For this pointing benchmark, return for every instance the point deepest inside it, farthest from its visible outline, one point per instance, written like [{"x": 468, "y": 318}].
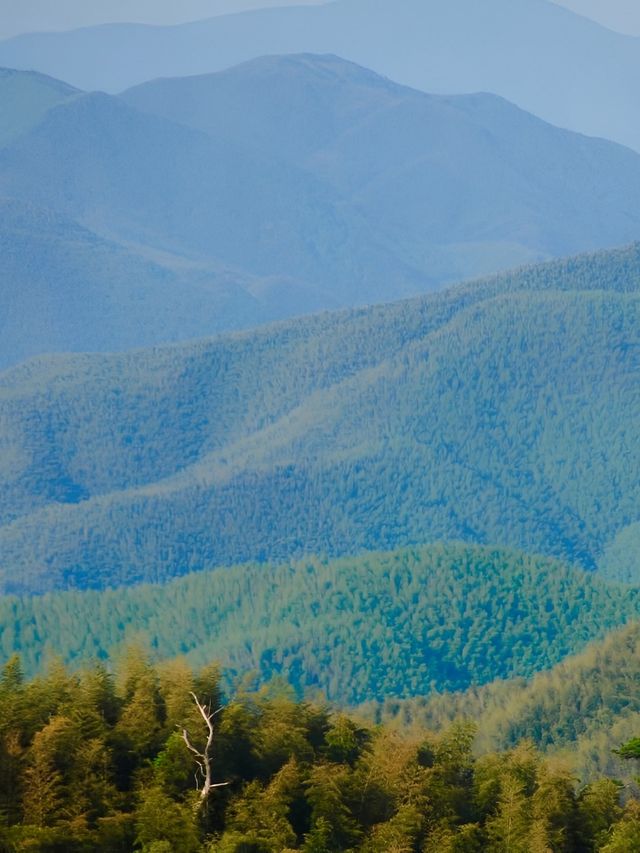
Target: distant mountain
[
  {"x": 150, "y": 181},
  {"x": 400, "y": 624},
  {"x": 457, "y": 185},
  {"x": 26, "y": 97},
  {"x": 43, "y": 16},
  {"x": 64, "y": 289},
  {"x": 506, "y": 411},
  {"x": 367, "y": 191},
  {"x": 551, "y": 62}
]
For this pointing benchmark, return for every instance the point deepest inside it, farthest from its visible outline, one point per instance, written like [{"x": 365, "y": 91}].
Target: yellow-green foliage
[
  {"x": 95, "y": 762},
  {"x": 581, "y": 709}
]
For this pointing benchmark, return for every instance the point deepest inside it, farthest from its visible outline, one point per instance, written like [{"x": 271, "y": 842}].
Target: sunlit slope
[
  {"x": 380, "y": 625},
  {"x": 502, "y": 412},
  {"x": 585, "y": 706}
]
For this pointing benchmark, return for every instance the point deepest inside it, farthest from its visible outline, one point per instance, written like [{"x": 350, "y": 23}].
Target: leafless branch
[{"x": 203, "y": 759}]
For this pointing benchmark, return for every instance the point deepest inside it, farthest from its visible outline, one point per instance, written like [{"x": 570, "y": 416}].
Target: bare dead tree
[{"x": 203, "y": 759}]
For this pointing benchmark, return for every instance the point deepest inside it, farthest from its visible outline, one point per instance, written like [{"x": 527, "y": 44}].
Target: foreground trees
[{"x": 151, "y": 759}]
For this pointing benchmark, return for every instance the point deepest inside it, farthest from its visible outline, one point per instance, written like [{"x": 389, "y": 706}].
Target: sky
[
  {"x": 620, "y": 15},
  {"x": 20, "y": 16}
]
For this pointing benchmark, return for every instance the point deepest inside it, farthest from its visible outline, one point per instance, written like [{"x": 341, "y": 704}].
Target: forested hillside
[
  {"x": 93, "y": 762},
  {"x": 320, "y": 430},
  {"x": 501, "y": 412},
  {"x": 381, "y": 625},
  {"x": 581, "y": 709}
]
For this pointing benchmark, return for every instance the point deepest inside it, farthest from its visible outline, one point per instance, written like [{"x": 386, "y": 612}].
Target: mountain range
[
  {"x": 504, "y": 411},
  {"x": 320, "y": 409},
  {"x": 536, "y": 54},
  {"x": 278, "y": 188}
]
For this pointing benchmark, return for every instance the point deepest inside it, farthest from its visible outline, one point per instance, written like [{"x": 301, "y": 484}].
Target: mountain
[
  {"x": 149, "y": 181},
  {"x": 551, "y": 62},
  {"x": 369, "y": 191},
  {"x": 504, "y": 411},
  {"x": 65, "y": 289},
  {"x": 406, "y": 623},
  {"x": 41, "y": 16},
  {"x": 583, "y": 707},
  {"x": 26, "y": 97},
  {"x": 456, "y": 185}
]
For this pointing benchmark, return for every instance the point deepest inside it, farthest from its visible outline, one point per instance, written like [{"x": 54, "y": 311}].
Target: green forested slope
[
  {"x": 102, "y": 762},
  {"x": 584, "y": 707},
  {"x": 506, "y": 411},
  {"x": 399, "y": 624}
]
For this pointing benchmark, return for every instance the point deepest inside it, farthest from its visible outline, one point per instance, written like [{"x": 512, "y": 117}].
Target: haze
[
  {"x": 620, "y": 15},
  {"x": 25, "y": 16},
  {"x": 21, "y": 16}
]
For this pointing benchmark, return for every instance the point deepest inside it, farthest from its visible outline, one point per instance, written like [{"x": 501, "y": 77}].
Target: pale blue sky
[
  {"x": 18, "y": 16},
  {"x": 621, "y": 15},
  {"x": 31, "y": 15}
]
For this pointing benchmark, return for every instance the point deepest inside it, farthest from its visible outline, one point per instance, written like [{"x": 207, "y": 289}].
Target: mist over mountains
[
  {"x": 281, "y": 187},
  {"x": 65, "y": 289},
  {"x": 536, "y": 54}
]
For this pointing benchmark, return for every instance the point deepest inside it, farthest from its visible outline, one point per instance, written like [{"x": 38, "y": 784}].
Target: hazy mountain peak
[
  {"x": 542, "y": 57},
  {"x": 26, "y": 96}
]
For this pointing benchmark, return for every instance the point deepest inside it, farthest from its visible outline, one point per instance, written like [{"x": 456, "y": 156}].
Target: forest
[
  {"x": 503, "y": 412},
  {"x": 579, "y": 709},
  {"x": 157, "y": 759},
  {"x": 402, "y": 624}
]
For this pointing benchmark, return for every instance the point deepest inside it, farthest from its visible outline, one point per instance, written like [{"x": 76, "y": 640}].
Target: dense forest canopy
[
  {"x": 501, "y": 412},
  {"x": 304, "y": 547},
  {"x": 581, "y": 708},
  {"x": 398, "y": 624},
  {"x": 95, "y": 761}
]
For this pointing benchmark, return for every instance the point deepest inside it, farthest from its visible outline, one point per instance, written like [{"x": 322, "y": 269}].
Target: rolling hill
[
  {"x": 504, "y": 411},
  {"x": 402, "y": 624},
  {"x": 544, "y": 58}
]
